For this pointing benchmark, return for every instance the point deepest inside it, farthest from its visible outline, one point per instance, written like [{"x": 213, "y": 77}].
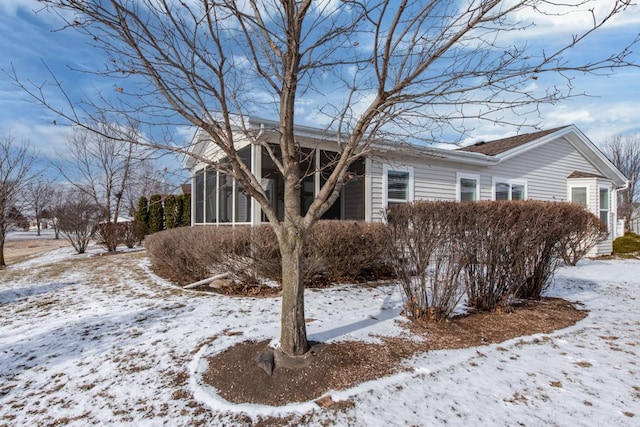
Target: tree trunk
[
  {"x": 293, "y": 334},
  {"x": 2, "y": 262}
]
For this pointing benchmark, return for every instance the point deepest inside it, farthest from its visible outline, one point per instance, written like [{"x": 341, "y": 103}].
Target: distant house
[{"x": 559, "y": 164}]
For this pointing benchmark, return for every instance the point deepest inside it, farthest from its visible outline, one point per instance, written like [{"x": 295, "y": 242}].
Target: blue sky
[{"x": 27, "y": 42}]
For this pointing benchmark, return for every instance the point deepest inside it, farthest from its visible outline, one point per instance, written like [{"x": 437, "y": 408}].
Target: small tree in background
[
  {"x": 179, "y": 210},
  {"x": 78, "y": 217},
  {"x": 186, "y": 210},
  {"x": 15, "y": 171},
  {"x": 142, "y": 213},
  {"x": 156, "y": 214},
  {"x": 625, "y": 154},
  {"x": 171, "y": 219},
  {"x": 38, "y": 197}
]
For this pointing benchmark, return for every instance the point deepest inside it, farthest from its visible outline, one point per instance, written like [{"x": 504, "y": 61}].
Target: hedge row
[
  {"x": 490, "y": 252},
  {"x": 335, "y": 251},
  {"x": 164, "y": 212}
]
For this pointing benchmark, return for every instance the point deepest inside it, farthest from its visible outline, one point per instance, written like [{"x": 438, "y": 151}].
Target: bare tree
[
  {"x": 379, "y": 68},
  {"x": 78, "y": 216},
  {"x": 102, "y": 166},
  {"x": 625, "y": 154},
  {"x": 39, "y": 194},
  {"x": 15, "y": 169}
]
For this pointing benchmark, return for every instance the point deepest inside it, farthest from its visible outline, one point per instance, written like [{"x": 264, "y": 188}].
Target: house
[{"x": 559, "y": 164}]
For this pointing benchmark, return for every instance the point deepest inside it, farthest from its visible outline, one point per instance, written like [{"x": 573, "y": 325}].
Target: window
[
  {"x": 211, "y": 195},
  {"x": 468, "y": 187},
  {"x": 579, "y": 196},
  {"x": 604, "y": 206},
  {"x": 398, "y": 183},
  {"x": 506, "y": 189},
  {"x": 199, "y": 197}
]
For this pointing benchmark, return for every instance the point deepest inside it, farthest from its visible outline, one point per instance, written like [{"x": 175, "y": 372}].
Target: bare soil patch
[{"x": 338, "y": 366}]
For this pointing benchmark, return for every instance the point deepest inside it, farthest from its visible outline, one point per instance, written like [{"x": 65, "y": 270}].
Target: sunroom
[{"x": 218, "y": 199}]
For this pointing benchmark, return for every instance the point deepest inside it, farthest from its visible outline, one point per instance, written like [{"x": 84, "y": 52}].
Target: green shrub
[
  {"x": 170, "y": 212},
  {"x": 627, "y": 244},
  {"x": 156, "y": 214},
  {"x": 142, "y": 213},
  {"x": 186, "y": 210}
]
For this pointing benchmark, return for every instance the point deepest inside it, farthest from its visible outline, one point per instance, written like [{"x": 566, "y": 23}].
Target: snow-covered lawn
[{"x": 100, "y": 340}]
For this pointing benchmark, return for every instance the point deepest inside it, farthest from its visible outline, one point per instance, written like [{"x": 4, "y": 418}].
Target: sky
[{"x": 32, "y": 46}]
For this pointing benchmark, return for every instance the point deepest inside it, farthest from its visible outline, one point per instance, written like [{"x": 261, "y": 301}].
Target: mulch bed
[{"x": 338, "y": 366}]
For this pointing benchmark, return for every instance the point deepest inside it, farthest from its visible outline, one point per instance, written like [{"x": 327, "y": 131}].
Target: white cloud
[{"x": 570, "y": 16}]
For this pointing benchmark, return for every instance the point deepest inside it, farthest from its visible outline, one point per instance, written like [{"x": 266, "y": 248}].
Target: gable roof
[{"x": 492, "y": 148}]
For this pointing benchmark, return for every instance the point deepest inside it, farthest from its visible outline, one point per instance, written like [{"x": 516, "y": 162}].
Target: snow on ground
[{"x": 100, "y": 340}]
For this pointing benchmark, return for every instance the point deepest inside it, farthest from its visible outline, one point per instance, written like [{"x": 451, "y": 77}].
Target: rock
[
  {"x": 325, "y": 402},
  {"x": 266, "y": 361},
  {"x": 221, "y": 283}
]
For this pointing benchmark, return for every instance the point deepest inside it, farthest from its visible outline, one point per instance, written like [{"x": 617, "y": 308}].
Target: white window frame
[
  {"x": 460, "y": 176},
  {"x": 570, "y": 193},
  {"x": 511, "y": 183},
  {"x": 385, "y": 184},
  {"x": 608, "y": 210}
]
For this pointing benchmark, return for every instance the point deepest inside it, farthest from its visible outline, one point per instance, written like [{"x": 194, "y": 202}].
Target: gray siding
[{"x": 545, "y": 170}]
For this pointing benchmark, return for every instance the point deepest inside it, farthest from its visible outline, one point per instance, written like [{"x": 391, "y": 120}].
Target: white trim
[
  {"x": 463, "y": 175},
  {"x": 368, "y": 192},
  {"x": 610, "y": 224},
  {"x": 385, "y": 182},
  {"x": 496, "y": 180}
]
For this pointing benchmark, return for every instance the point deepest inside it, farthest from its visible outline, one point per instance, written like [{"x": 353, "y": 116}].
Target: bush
[
  {"x": 346, "y": 251},
  {"x": 195, "y": 253},
  {"x": 585, "y": 231},
  {"x": 338, "y": 251},
  {"x": 627, "y": 244},
  {"x": 186, "y": 210},
  {"x": 142, "y": 213},
  {"x": 77, "y": 218},
  {"x": 494, "y": 251},
  {"x": 424, "y": 252},
  {"x": 110, "y": 235},
  {"x": 156, "y": 214},
  {"x": 171, "y": 219}
]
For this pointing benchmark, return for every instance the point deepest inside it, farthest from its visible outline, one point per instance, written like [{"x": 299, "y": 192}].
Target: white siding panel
[{"x": 376, "y": 191}]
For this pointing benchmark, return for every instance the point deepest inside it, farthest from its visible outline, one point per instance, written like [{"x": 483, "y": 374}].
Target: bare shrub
[
  {"x": 346, "y": 250},
  {"x": 134, "y": 233},
  {"x": 77, "y": 219},
  {"x": 196, "y": 253},
  {"x": 542, "y": 232},
  {"x": 110, "y": 235},
  {"x": 265, "y": 253},
  {"x": 338, "y": 250},
  {"x": 495, "y": 251},
  {"x": 426, "y": 258},
  {"x": 586, "y": 231}
]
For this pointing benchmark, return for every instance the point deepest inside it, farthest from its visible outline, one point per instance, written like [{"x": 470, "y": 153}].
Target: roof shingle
[{"x": 492, "y": 148}]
